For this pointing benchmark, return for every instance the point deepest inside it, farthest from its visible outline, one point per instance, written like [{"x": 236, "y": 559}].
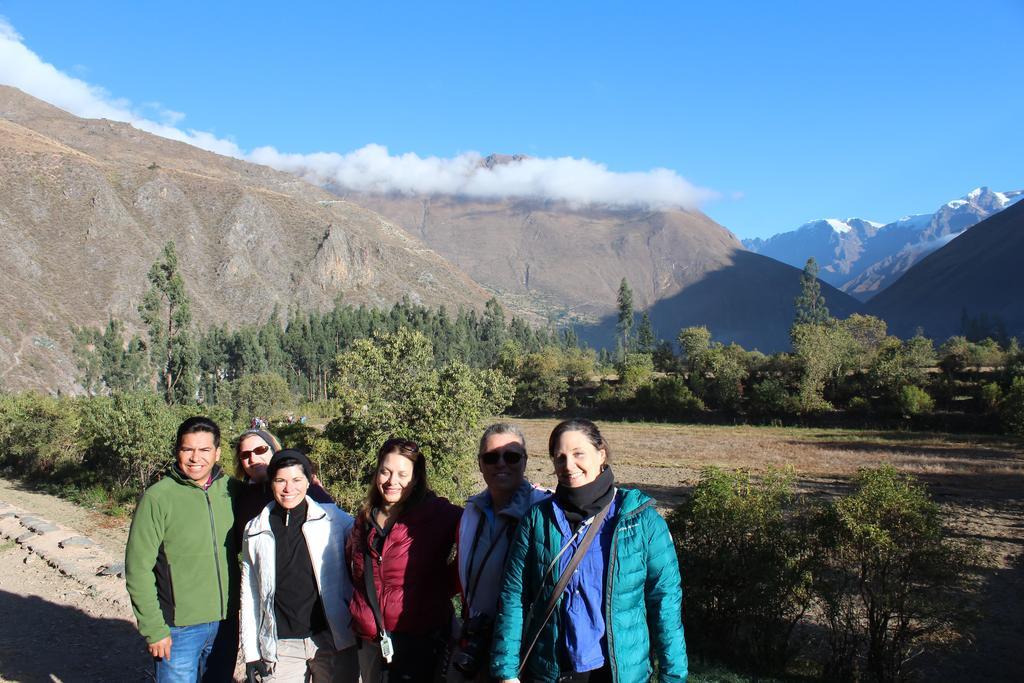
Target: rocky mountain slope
[
  {"x": 978, "y": 273},
  {"x": 87, "y": 205},
  {"x": 567, "y": 262},
  {"x": 864, "y": 257}
]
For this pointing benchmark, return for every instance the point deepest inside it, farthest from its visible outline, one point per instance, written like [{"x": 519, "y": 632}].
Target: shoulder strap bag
[
  {"x": 387, "y": 648},
  {"x": 593, "y": 528}
]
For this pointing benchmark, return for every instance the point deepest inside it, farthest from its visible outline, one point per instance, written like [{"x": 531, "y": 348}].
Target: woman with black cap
[
  {"x": 253, "y": 452},
  {"x": 295, "y": 584}
]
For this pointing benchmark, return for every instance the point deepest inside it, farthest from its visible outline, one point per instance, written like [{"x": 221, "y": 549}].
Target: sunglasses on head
[
  {"x": 259, "y": 450},
  {"x": 511, "y": 456}
]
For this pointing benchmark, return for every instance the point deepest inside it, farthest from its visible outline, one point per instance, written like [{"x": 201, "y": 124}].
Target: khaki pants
[{"x": 301, "y": 660}]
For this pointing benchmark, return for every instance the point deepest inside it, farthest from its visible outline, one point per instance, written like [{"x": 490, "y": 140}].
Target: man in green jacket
[{"x": 181, "y": 564}]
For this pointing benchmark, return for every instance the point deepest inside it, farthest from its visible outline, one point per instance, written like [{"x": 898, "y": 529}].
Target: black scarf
[{"x": 583, "y": 502}]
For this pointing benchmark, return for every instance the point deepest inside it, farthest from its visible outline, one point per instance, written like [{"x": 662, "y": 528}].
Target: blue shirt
[{"x": 582, "y": 609}]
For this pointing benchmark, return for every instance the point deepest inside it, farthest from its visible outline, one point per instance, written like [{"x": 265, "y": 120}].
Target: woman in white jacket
[{"x": 295, "y": 584}]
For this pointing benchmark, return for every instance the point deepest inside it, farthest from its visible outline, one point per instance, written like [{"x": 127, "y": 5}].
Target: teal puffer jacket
[{"x": 643, "y": 597}]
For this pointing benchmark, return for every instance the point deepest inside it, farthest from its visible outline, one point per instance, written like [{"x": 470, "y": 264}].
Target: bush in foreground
[
  {"x": 745, "y": 562},
  {"x": 888, "y": 578}
]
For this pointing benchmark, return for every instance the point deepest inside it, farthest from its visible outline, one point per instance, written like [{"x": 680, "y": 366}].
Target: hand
[
  {"x": 161, "y": 649},
  {"x": 257, "y": 671},
  {"x": 510, "y": 680}
]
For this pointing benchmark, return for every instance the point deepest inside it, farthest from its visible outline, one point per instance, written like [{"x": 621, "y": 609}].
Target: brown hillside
[
  {"x": 568, "y": 263},
  {"x": 88, "y": 204}
]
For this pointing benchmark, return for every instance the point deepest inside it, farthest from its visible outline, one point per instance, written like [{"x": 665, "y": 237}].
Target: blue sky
[{"x": 766, "y": 114}]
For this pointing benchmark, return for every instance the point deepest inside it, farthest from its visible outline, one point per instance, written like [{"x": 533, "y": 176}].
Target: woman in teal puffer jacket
[{"x": 621, "y": 610}]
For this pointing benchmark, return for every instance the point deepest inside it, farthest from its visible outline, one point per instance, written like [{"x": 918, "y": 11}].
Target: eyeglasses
[
  {"x": 511, "y": 456},
  {"x": 259, "y": 450}
]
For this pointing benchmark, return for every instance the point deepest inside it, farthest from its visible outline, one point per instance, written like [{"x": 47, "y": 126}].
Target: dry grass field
[{"x": 979, "y": 481}]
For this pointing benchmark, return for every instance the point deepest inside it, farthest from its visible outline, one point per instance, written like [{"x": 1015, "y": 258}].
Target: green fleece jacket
[
  {"x": 642, "y": 594},
  {"x": 181, "y": 564}
]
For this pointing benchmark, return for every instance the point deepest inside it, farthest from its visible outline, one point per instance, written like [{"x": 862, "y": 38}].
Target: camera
[{"x": 474, "y": 645}]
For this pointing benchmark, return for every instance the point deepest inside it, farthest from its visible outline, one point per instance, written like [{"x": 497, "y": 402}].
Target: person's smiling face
[
  {"x": 577, "y": 461},
  {"x": 197, "y": 455},
  {"x": 394, "y": 478},
  {"x": 289, "y": 486},
  {"x": 254, "y": 454},
  {"x": 501, "y": 474}
]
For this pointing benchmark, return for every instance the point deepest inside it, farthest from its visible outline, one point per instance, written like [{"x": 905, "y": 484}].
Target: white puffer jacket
[{"x": 326, "y": 529}]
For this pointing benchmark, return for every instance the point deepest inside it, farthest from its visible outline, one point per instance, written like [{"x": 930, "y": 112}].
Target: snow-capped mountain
[{"x": 864, "y": 257}]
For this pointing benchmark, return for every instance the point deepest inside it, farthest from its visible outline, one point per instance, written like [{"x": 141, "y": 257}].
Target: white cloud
[
  {"x": 577, "y": 181},
  {"x": 371, "y": 168}
]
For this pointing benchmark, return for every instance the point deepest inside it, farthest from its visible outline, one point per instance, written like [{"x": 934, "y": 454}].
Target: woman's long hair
[{"x": 407, "y": 449}]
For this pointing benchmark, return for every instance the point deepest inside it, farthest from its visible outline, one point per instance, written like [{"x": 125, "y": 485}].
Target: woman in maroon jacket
[{"x": 405, "y": 534}]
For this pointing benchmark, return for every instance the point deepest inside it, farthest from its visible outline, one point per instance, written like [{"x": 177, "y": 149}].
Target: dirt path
[
  {"x": 53, "y": 628},
  {"x": 110, "y": 532}
]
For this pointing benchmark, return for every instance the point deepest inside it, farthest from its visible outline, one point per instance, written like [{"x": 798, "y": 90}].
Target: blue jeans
[{"x": 204, "y": 652}]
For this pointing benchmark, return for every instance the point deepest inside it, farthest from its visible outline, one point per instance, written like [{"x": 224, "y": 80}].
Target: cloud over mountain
[
  {"x": 371, "y": 168},
  {"x": 576, "y": 181}
]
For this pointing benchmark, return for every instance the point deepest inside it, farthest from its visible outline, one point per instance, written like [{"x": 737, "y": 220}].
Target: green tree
[
  {"x": 645, "y": 339},
  {"x": 263, "y": 394},
  {"x": 868, "y": 332},
  {"x": 132, "y": 434},
  {"x": 825, "y": 352},
  {"x": 106, "y": 361},
  {"x": 166, "y": 311},
  {"x": 389, "y": 386},
  {"x": 624, "y": 326},
  {"x": 492, "y": 331},
  {"x": 718, "y": 376},
  {"x": 897, "y": 366},
  {"x": 693, "y": 341},
  {"x": 810, "y": 304},
  {"x": 635, "y": 370},
  {"x": 88, "y": 357},
  {"x": 541, "y": 383}
]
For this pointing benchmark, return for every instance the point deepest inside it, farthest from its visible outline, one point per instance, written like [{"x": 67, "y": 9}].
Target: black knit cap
[{"x": 286, "y": 458}]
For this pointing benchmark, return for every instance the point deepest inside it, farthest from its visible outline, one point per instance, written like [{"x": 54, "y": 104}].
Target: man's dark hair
[{"x": 198, "y": 423}]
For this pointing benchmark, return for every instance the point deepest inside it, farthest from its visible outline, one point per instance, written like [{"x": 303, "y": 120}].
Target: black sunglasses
[
  {"x": 259, "y": 450},
  {"x": 511, "y": 456}
]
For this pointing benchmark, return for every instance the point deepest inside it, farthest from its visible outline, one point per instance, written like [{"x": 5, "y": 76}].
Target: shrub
[
  {"x": 1012, "y": 407},
  {"x": 745, "y": 559},
  {"x": 914, "y": 401},
  {"x": 771, "y": 397},
  {"x": 41, "y": 435},
  {"x": 667, "y": 397},
  {"x": 990, "y": 396},
  {"x": 887, "y": 577},
  {"x": 131, "y": 437},
  {"x": 859, "y": 405}
]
